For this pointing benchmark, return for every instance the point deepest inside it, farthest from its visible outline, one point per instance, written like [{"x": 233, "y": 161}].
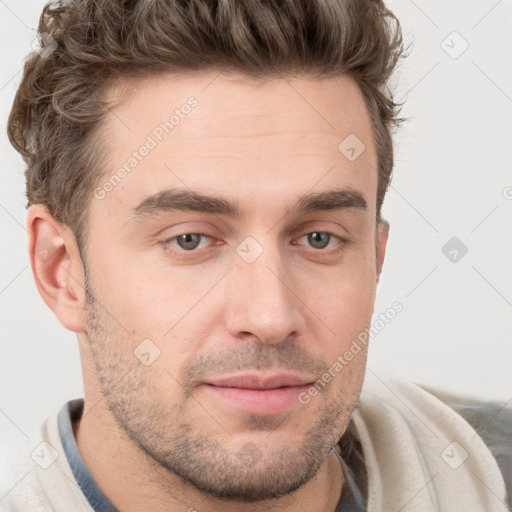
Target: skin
[{"x": 152, "y": 436}]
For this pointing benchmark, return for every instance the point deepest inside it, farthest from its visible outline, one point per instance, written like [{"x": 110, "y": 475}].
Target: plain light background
[{"x": 452, "y": 179}]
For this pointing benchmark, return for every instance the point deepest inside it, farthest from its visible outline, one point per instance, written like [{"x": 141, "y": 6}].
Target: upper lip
[{"x": 258, "y": 381}]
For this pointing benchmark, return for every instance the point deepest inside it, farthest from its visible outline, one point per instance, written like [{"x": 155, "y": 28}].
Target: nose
[{"x": 261, "y": 299}]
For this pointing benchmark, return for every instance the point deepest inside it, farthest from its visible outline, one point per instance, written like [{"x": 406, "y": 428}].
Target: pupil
[
  {"x": 188, "y": 241},
  {"x": 318, "y": 239}
]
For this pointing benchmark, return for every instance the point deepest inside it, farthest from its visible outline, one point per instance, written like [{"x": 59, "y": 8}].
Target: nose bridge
[{"x": 262, "y": 300}]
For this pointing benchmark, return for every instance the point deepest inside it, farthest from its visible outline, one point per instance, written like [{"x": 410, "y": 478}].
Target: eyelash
[{"x": 342, "y": 242}]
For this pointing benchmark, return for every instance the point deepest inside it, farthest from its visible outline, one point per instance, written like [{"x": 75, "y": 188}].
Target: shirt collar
[{"x": 69, "y": 415}]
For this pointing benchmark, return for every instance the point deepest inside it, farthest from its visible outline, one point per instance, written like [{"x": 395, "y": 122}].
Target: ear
[
  {"x": 56, "y": 266},
  {"x": 382, "y": 240}
]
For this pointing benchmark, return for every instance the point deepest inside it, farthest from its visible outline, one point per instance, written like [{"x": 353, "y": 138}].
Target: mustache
[{"x": 285, "y": 355}]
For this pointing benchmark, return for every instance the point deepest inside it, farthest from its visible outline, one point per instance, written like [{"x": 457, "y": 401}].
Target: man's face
[{"x": 184, "y": 328}]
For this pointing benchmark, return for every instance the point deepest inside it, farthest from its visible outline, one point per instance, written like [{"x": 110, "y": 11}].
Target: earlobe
[
  {"x": 383, "y": 233},
  {"x": 56, "y": 266}
]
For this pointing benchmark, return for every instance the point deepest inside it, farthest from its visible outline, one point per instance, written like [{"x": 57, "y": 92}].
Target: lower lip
[{"x": 259, "y": 401}]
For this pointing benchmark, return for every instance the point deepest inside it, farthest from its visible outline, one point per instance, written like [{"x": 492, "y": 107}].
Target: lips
[
  {"x": 259, "y": 394},
  {"x": 253, "y": 381}
]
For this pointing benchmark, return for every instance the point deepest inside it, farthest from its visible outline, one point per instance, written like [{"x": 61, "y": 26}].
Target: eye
[
  {"x": 320, "y": 239},
  {"x": 323, "y": 241},
  {"x": 187, "y": 241}
]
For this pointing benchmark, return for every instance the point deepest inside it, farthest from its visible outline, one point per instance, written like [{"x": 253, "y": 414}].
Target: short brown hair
[{"x": 61, "y": 99}]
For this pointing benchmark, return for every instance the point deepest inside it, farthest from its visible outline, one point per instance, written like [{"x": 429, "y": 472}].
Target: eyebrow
[{"x": 179, "y": 199}]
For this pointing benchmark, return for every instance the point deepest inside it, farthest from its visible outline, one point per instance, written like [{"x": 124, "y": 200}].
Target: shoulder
[
  {"x": 18, "y": 490},
  {"x": 491, "y": 420},
  {"x": 35, "y": 474},
  {"x": 407, "y": 432}
]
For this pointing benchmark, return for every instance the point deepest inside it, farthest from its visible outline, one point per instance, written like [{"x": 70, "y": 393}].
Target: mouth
[{"x": 259, "y": 394}]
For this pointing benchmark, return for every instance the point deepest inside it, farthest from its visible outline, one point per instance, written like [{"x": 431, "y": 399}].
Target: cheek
[
  {"x": 142, "y": 297},
  {"x": 347, "y": 313},
  {"x": 344, "y": 305},
  {"x": 165, "y": 308},
  {"x": 344, "y": 295}
]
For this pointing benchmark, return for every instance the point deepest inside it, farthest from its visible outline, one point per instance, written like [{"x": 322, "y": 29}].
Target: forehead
[{"x": 236, "y": 136}]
